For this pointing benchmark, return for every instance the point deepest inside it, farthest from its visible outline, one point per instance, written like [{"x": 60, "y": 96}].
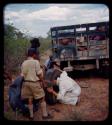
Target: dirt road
[{"x": 93, "y": 104}]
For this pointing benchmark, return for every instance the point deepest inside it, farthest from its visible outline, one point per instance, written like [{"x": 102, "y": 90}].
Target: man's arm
[
  {"x": 41, "y": 81},
  {"x": 59, "y": 95},
  {"x": 23, "y": 71},
  {"x": 55, "y": 93},
  {"x": 38, "y": 70},
  {"x": 40, "y": 77},
  {"x": 39, "y": 73},
  {"x": 52, "y": 91}
]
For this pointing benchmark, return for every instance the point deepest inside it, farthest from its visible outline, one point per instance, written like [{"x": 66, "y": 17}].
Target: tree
[{"x": 15, "y": 46}]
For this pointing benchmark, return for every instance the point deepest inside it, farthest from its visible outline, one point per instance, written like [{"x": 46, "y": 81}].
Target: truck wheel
[{"x": 50, "y": 98}]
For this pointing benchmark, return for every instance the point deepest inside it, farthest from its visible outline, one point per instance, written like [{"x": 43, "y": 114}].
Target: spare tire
[{"x": 50, "y": 98}]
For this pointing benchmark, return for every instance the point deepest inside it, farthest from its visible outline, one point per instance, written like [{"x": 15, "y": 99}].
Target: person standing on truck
[{"x": 32, "y": 87}]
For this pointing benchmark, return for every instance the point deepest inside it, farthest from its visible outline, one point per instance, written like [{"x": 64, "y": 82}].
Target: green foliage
[{"x": 16, "y": 45}]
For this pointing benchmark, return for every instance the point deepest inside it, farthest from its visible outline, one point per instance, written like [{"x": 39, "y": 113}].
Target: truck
[{"x": 81, "y": 47}]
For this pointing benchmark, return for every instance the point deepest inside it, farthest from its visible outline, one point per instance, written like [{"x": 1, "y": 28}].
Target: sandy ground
[{"x": 93, "y": 104}]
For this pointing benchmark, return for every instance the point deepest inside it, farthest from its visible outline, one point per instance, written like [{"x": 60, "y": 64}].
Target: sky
[{"x": 37, "y": 19}]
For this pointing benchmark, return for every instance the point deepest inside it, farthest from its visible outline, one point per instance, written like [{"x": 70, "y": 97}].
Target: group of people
[{"x": 36, "y": 83}]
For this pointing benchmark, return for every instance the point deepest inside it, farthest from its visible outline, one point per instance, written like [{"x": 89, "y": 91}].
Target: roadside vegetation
[{"x": 16, "y": 44}]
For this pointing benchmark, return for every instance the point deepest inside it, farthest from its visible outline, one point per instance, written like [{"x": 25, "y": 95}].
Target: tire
[{"x": 50, "y": 98}]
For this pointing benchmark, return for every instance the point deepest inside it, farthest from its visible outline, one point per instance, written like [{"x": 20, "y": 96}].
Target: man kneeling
[{"x": 69, "y": 90}]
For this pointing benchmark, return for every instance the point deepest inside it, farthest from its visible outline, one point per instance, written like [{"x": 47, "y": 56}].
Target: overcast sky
[{"x": 37, "y": 19}]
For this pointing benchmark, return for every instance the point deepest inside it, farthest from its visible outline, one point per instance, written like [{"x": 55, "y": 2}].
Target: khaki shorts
[{"x": 32, "y": 90}]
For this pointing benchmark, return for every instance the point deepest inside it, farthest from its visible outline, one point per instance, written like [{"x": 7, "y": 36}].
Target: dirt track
[{"x": 93, "y": 104}]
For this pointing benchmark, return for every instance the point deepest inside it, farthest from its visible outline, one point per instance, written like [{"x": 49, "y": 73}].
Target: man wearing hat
[{"x": 32, "y": 88}]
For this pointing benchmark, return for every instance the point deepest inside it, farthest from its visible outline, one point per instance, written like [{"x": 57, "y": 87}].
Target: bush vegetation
[{"x": 16, "y": 44}]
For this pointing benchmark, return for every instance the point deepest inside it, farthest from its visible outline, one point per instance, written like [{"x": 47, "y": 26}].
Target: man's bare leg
[
  {"x": 43, "y": 107},
  {"x": 45, "y": 114},
  {"x": 30, "y": 105}
]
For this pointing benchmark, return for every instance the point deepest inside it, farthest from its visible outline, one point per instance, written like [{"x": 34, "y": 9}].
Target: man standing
[{"x": 32, "y": 88}]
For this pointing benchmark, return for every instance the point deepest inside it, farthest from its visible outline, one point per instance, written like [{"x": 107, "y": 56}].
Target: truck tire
[{"x": 50, "y": 98}]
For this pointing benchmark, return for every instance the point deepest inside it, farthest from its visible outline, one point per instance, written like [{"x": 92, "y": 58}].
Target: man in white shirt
[{"x": 69, "y": 90}]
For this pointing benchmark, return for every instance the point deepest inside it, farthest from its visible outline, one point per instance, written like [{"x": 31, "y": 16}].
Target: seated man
[{"x": 69, "y": 90}]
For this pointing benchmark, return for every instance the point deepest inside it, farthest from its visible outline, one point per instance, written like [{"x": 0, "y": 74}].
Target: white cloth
[{"x": 69, "y": 90}]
